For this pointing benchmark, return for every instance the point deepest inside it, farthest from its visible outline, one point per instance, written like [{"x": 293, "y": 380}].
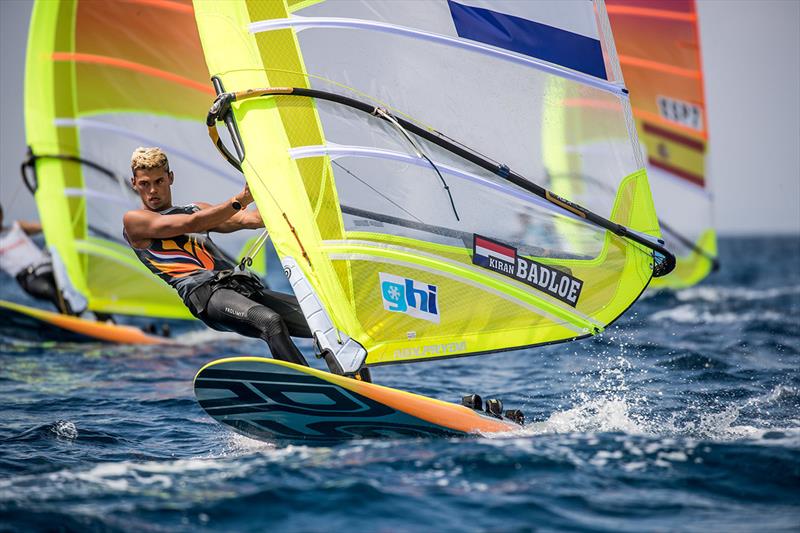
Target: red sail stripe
[
  {"x": 675, "y": 137},
  {"x": 489, "y": 245},
  {"x": 688, "y": 176}
]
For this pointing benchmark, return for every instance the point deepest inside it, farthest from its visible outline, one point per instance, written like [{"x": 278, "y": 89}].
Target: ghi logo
[{"x": 412, "y": 297}]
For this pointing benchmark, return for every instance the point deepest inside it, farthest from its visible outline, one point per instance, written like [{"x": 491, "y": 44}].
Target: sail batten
[
  {"x": 150, "y": 140},
  {"x": 364, "y": 151}
]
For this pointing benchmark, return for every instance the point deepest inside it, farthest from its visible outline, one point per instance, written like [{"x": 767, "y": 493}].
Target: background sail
[
  {"x": 350, "y": 202},
  {"x": 100, "y": 81},
  {"x": 659, "y": 50}
]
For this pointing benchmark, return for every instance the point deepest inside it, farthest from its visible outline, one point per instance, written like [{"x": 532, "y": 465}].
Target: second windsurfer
[{"x": 32, "y": 267}]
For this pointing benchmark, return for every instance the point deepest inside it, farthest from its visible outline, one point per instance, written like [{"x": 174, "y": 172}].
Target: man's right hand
[{"x": 245, "y": 197}]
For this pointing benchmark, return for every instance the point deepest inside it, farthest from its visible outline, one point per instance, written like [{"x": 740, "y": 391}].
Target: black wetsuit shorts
[
  {"x": 39, "y": 282},
  {"x": 239, "y": 303}
]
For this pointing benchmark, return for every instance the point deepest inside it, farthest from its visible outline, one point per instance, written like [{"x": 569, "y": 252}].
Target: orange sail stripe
[
  {"x": 700, "y": 66},
  {"x": 135, "y": 67},
  {"x": 640, "y": 114},
  {"x": 651, "y": 13},
  {"x": 166, "y": 4},
  {"x": 661, "y": 67}
]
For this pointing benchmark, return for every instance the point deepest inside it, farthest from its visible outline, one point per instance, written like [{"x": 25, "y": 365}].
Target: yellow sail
[
  {"x": 396, "y": 156},
  {"x": 102, "y": 80}
]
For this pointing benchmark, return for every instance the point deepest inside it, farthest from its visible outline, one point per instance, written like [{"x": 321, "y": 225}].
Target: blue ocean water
[{"x": 684, "y": 415}]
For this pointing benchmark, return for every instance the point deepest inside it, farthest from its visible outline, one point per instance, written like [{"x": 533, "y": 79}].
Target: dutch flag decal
[
  {"x": 557, "y": 281},
  {"x": 486, "y": 249}
]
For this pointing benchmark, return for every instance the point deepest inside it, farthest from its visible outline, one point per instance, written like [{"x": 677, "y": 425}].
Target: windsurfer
[
  {"x": 28, "y": 264},
  {"x": 173, "y": 242}
]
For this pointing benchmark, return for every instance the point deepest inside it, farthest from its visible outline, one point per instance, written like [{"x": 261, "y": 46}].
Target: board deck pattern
[{"x": 270, "y": 400}]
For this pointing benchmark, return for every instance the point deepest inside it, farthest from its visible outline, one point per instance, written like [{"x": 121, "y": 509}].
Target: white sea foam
[
  {"x": 689, "y": 314},
  {"x": 779, "y": 392},
  {"x": 719, "y": 294},
  {"x": 130, "y": 477},
  {"x": 64, "y": 429},
  {"x": 118, "y": 477},
  {"x": 239, "y": 443},
  {"x": 203, "y": 336},
  {"x": 594, "y": 416},
  {"x": 604, "y": 403}
]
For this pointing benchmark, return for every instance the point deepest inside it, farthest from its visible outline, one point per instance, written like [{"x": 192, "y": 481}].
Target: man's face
[{"x": 153, "y": 186}]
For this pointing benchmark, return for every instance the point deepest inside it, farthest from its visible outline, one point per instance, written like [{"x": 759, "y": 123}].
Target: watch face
[{"x": 236, "y": 205}]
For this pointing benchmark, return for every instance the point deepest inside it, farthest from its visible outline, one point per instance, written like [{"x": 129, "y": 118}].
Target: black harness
[{"x": 244, "y": 282}]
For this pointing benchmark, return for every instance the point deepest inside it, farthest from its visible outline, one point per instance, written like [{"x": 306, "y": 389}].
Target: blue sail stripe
[{"x": 530, "y": 38}]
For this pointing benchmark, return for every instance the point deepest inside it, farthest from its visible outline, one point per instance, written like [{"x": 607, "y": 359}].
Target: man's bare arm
[
  {"x": 142, "y": 225},
  {"x": 30, "y": 227},
  {"x": 250, "y": 219}
]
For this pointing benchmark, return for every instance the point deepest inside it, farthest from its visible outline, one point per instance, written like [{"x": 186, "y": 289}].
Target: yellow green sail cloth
[
  {"x": 692, "y": 267},
  {"x": 348, "y": 200},
  {"x": 102, "y": 80}
]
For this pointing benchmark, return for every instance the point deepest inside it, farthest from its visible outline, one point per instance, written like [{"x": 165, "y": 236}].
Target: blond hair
[{"x": 148, "y": 158}]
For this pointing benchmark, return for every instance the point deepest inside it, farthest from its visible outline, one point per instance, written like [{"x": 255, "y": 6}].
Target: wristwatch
[{"x": 236, "y": 205}]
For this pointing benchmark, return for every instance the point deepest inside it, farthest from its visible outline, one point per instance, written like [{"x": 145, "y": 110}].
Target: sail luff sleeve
[
  {"x": 275, "y": 179},
  {"x": 63, "y": 219}
]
